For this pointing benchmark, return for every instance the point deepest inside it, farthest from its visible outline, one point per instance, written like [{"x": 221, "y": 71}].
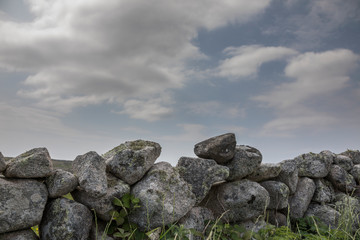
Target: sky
[{"x": 88, "y": 75}]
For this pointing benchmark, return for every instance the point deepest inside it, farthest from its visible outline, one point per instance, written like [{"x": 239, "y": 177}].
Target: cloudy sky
[{"x": 81, "y": 75}]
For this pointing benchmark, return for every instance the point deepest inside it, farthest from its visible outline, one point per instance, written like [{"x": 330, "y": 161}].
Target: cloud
[
  {"x": 245, "y": 61},
  {"x": 216, "y": 108},
  {"x": 86, "y": 52}
]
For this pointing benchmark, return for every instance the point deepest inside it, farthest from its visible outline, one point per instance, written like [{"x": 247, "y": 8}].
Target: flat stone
[
  {"x": 2, "y": 163},
  {"x": 265, "y": 171},
  {"x": 324, "y": 192},
  {"x": 27, "y": 234},
  {"x": 314, "y": 165},
  {"x": 61, "y": 183},
  {"x": 245, "y": 161},
  {"x": 300, "y": 201},
  {"x": 355, "y": 172},
  {"x": 164, "y": 197},
  {"x": 22, "y": 203},
  {"x": 354, "y": 155},
  {"x": 343, "y": 161},
  {"x": 289, "y": 174},
  {"x": 65, "y": 219},
  {"x": 195, "y": 219},
  {"x": 90, "y": 169},
  {"x": 131, "y": 160},
  {"x": 279, "y": 194},
  {"x": 201, "y": 174},
  {"x": 35, "y": 163},
  {"x": 341, "y": 180},
  {"x": 220, "y": 148},
  {"x": 325, "y": 213}
]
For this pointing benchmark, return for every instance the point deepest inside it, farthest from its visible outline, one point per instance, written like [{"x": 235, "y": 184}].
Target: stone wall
[{"x": 227, "y": 180}]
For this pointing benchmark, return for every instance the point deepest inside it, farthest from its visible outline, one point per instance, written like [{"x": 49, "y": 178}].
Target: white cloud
[
  {"x": 87, "y": 52},
  {"x": 245, "y": 61}
]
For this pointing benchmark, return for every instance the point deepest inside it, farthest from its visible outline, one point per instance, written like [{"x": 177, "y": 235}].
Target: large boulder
[
  {"x": 22, "y": 203},
  {"x": 325, "y": 213},
  {"x": 265, "y": 171},
  {"x": 164, "y": 197},
  {"x": 343, "y": 161},
  {"x": 2, "y": 163},
  {"x": 201, "y": 174},
  {"x": 240, "y": 200},
  {"x": 35, "y": 163},
  {"x": 245, "y": 161},
  {"x": 324, "y": 192},
  {"x": 220, "y": 148},
  {"x": 27, "y": 234},
  {"x": 196, "y": 219},
  {"x": 65, "y": 219},
  {"x": 314, "y": 165},
  {"x": 131, "y": 160},
  {"x": 355, "y": 172},
  {"x": 60, "y": 183},
  {"x": 279, "y": 194},
  {"x": 288, "y": 174},
  {"x": 341, "y": 180},
  {"x": 300, "y": 201},
  {"x": 103, "y": 206},
  {"x": 90, "y": 169},
  {"x": 353, "y": 154}
]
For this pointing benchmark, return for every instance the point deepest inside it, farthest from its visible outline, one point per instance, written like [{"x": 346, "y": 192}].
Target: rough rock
[
  {"x": 325, "y": 213},
  {"x": 300, "y": 201},
  {"x": 278, "y": 192},
  {"x": 195, "y": 219},
  {"x": 324, "y": 192},
  {"x": 103, "y": 205},
  {"x": 343, "y": 203},
  {"x": 60, "y": 183},
  {"x": 276, "y": 218},
  {"x": 355, "y": 172},
  {"x": 90, "y": 169},
  {"x": 314, "y": 165},
  {"x": 35, "y": 163},
  {"x": 22, "y": 203},
  {"x": 288, "y": 174},
  {"x": 343, "y": 161},
  {"x": 65, "y": 219},
  {"x": 164, "y": 197},
  {"x": 201, "y": 174},
  {"x": 353, "y": 154},
  {"x": 265, "y": 172},
  {"x": 19, "y": 235},
  {"x": 2, "y": 163},
  {"x": 220, "y": 148},
  {"x": 341, "y": 180},
  {"x": 245, "y": 161},
  {"x": 131, "y": 160},
  {"x": 252, "y": 226},
  {"x": 241, "y": 200}
]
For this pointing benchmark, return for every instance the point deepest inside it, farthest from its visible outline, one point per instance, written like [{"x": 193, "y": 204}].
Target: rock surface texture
[
  {"x": 2, "y": 163},
  {"x": 300, "y": 201},
  {"x": 19, "y": 235},
  {"x": 60, "y": 183}
]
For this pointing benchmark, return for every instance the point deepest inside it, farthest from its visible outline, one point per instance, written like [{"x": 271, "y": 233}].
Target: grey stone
[
  {"x": 164, "y": 197},
  {"x": 324, "y": 192},
  {"x": 279, "y": 194},
  {"x": 35, "y": 163},
  {"x": 265, "y": 172},
  {"x": 27, "y": 234},
  {"x": 220, "y": 148},
  {"x": 240, "y": 200},
  {"x": 300, "y": 201},
  {"x": 22, "y": 203},
  {"x": 103, "y": 205},
  {"x": 289, "y": 174},
  {"x": 314, "y": 165},
  {"x": 195, "y": 219},
  {"x": 98, "y": 232},
  {"x": 353, "y": 154},
  {"x": 276, "y": 218},
  {"x": 343, "y": 161},
  {"x": 349, "y": 208},
  {"x": 325, "y": 213},
  {"x": 252, "y": 226},
  {"x": 65, "y": 219},
  {"x": 60, "y": 183},
  {"x": 245, "y": 161},
  {"x": 341, "y": 180},
  {"x": 355, "y": 172},
  {"x": 131, "y": 160},
  {"x": 2, "y": 163},
  {"x": 90, "y": 169},
  {"x": 201, "y": 174}
]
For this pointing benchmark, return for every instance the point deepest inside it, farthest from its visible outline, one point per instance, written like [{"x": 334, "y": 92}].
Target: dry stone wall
[{"x": 226, "y": 179}]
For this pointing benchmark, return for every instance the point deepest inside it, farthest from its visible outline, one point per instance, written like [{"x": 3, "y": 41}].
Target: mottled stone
[
  {"x": 314, "y": 165},
  {"x": 201, "y": 174},
  {"x": 131, "y": 160},
  {"x": 353, "y": 154},
  {"x": 289, "y": 174},
  {"x": 324, "y": 192},
  {"x": 2, "y": 163},
  {"x": 325, "y": 213},
  {"x": 60, "y": 183},
  {"x": 300, "y": 201},
  {"x": 195, "y": 219},
  {"x": 90, "y": 169},
  {"x": 343, "y": 161},
  {"x": 355, "y": 172},
  {"x": 276, "y": 218},
  {"x": 65, "y": 219},
  {"x": 220, "y": 148},
  {"x": 265, "y": 171},
  {"x": 35, "y": 163},
  {"x": 278, "y": 192},
  {"x": 164, "y": 197},
  {"x": 341, "y": 180},
  {"x": 103, "y": 205},
  {"x": 241, "y": 200},
  {"x": 245, "y": 161},
  {"x": 22, "y": 203},
  {"x": 27, "y": 234}
]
